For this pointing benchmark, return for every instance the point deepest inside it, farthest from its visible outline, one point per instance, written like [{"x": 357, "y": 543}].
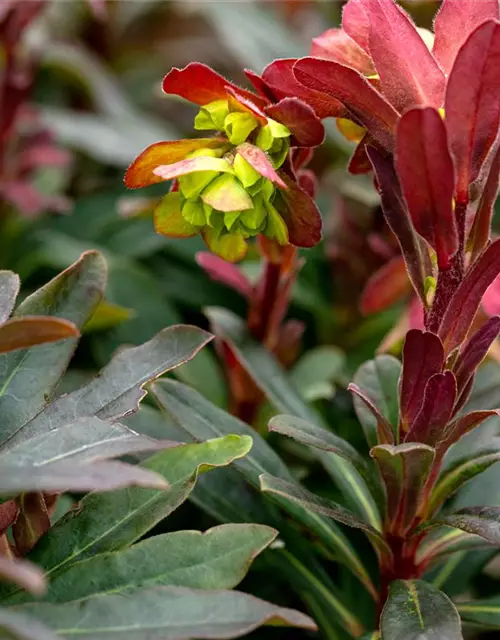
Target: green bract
[{"x": 224, "y": 196}]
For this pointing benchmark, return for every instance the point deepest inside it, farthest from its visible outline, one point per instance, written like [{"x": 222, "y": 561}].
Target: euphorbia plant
[{"x": 426, "y": 111}]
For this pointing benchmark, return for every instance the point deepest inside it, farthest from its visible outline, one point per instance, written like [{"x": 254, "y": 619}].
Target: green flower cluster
[{"x": 225, "y": 195}]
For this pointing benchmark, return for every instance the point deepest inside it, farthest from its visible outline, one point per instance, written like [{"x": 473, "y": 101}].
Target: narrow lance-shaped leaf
[
  {"x": 202, "y": 420},
  {"x": 474, "y": 352},
  {"x": 415, "y": 610},
  {"x": 109, "y": 522},
  {"x": 386, "y": 286},
  {"x": 461, "y": 471},
  {"x": 216, "y": 559},
  {"x": 285, "y": 492},
  {"x": 426, "y": 172},
  {"x": 405, "y": 469},
  {"x": 414, "y": 251},
  {"x": 437, "y": 408},
  {"x": 384, "y": 430},
  {"x": 472, "y": 104},
  {"x": 73, "y": 295},
  {"x": 118, "y": 389},
  {"x": 461, "y": 426},
  {"x": 467, "y": 298},
  {"x": 483, "y": 614},
  {"x": 172, "y": 613},
  {"x": 23, "y": 333},
  {"x": 480, "y": 234},
  {"x": 481, "y": 521},
  {"x": 423, "y": 356},
  {"x": 9, "y": 288}
]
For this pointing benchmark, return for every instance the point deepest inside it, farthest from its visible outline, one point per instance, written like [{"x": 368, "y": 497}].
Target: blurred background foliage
[{"x": 97, "y": 90}]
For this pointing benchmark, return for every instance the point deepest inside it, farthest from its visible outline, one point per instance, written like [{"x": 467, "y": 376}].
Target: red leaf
[
  {"x": 337, "y": 45},
  {"x": 426, "y": 172},
  {"x": 280, "y": 79},
  {"x": 259, "y": 85},
  {"x": 462, "y": 426},
  {"x": 300, "y": 118},
  {"x": 437, "y": 409},
  {"x": 455, "y": 20},
  {"x": 384, "y": 430},
  {"x": 491, "y": 299},
  {"x": 260, "y": 162},
  {"x": 29, "y": 331},
  {"x": 466, "y": 300},
  {"x": 201, "y": 84},
  {"x": 398, "y": 219},
  {"x": 359, "y": 97},
  {"x": 140, "y": 173},
  {"x": 356, "y": 24},
  {"x": 300, "y": 215},
  {"x": 423, "y": 357},
  {"x": 474, "y": 352},
  {"x": 386, "y": 286},
  {"x": 481, "y": 229},
  {"x": 222, "y": 271},
  {"x": 472, "y": 103},
  {"x": 360, "y": 162},
  {"x": 409, "y": 74}
]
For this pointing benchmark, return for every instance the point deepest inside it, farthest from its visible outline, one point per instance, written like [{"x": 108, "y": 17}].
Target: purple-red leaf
[
  {"x": 260, "y": 162},
  {"x": 359, "y": 97},
  {"x": 222, "y": 271},
  {"x": 398, "y": 219},
  {"x": 307, "y": 129},
  {"x": 481, "y": 230},
  {"x": 300, "y": 214},
  {"x": 405, "y": 469},
  {"x": 202, "y": 85},
  {"x": 384, "y": 429},
  {"x": 409, "y": 74},
  {"x": 359, "y": 162},
  {"x": 474, "y": 352},
  {"x": 462, "y": 426},
  {"x": 387, "y": 285},
  {"x": 455, "y": 20},
  {"x": 437, "y": 409},
  {"x": 140, "y": 173},
  {"x": 423, "y": 357},
  {"x": 467, "y": 298},
  {"x": 282, "y": 83},
  {"x": 426, "y": 172},
  {"x": 472, "y": 103},
  {"x": 337, "y": 45}
]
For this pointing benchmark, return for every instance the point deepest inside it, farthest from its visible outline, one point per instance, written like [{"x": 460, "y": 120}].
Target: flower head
[{"x": 241, "y": 182}]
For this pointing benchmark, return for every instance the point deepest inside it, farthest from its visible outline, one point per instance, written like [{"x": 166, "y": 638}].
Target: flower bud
[
  {"x": 238, "y": 126},
  {"x": 211, "y": 117},
  {"x": 245, "y": 173}
]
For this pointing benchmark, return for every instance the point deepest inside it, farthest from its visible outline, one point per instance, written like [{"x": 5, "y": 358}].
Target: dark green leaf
[
  {"x": 481, "y": 613},
  {"x": 169, "y": 613},
  {"x": 216, "y": 559},
  {"x": 415, "y": 610},
  {"x": 315, "y": 372},
  {"x": 481, "y": 521},
  {"x": 73, "y": 295},
  {"x": 118, "y": 389}
]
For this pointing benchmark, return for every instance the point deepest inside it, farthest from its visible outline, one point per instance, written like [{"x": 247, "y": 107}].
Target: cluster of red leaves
[{"x": 25, "y": 146}]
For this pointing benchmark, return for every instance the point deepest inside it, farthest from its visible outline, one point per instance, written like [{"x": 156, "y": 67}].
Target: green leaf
[
  {"x": 484, "y": 614},
  {"x": 73, "y": 295},
  {"x": 415, "y": 610},
  {"x": 84, "y": 440},
  {"x": 315, "y": 372},
  {"x": 170, "y": 613},
  {"x": 285, "y": 492},
  {"x": 269, "y": 376},
  {"x": 445, "y": 541},
  {"x": 118, "y": 389},
  {"x": 379, "y": 379},
  {"x": 109, "y": 522},
  {"x": 202, "y": 420},
  {"x": 106, "y": 316},
  {"x": 460, "y": 472},
  {"x": 17, "y": 626},
  {"x": 9, "y": 288},
  {"x": 481, "y": 521},
  {"x": 405, "y": 469},
  {"x": 58, "y": 477},
  {"x": 216, "y": 559}
]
